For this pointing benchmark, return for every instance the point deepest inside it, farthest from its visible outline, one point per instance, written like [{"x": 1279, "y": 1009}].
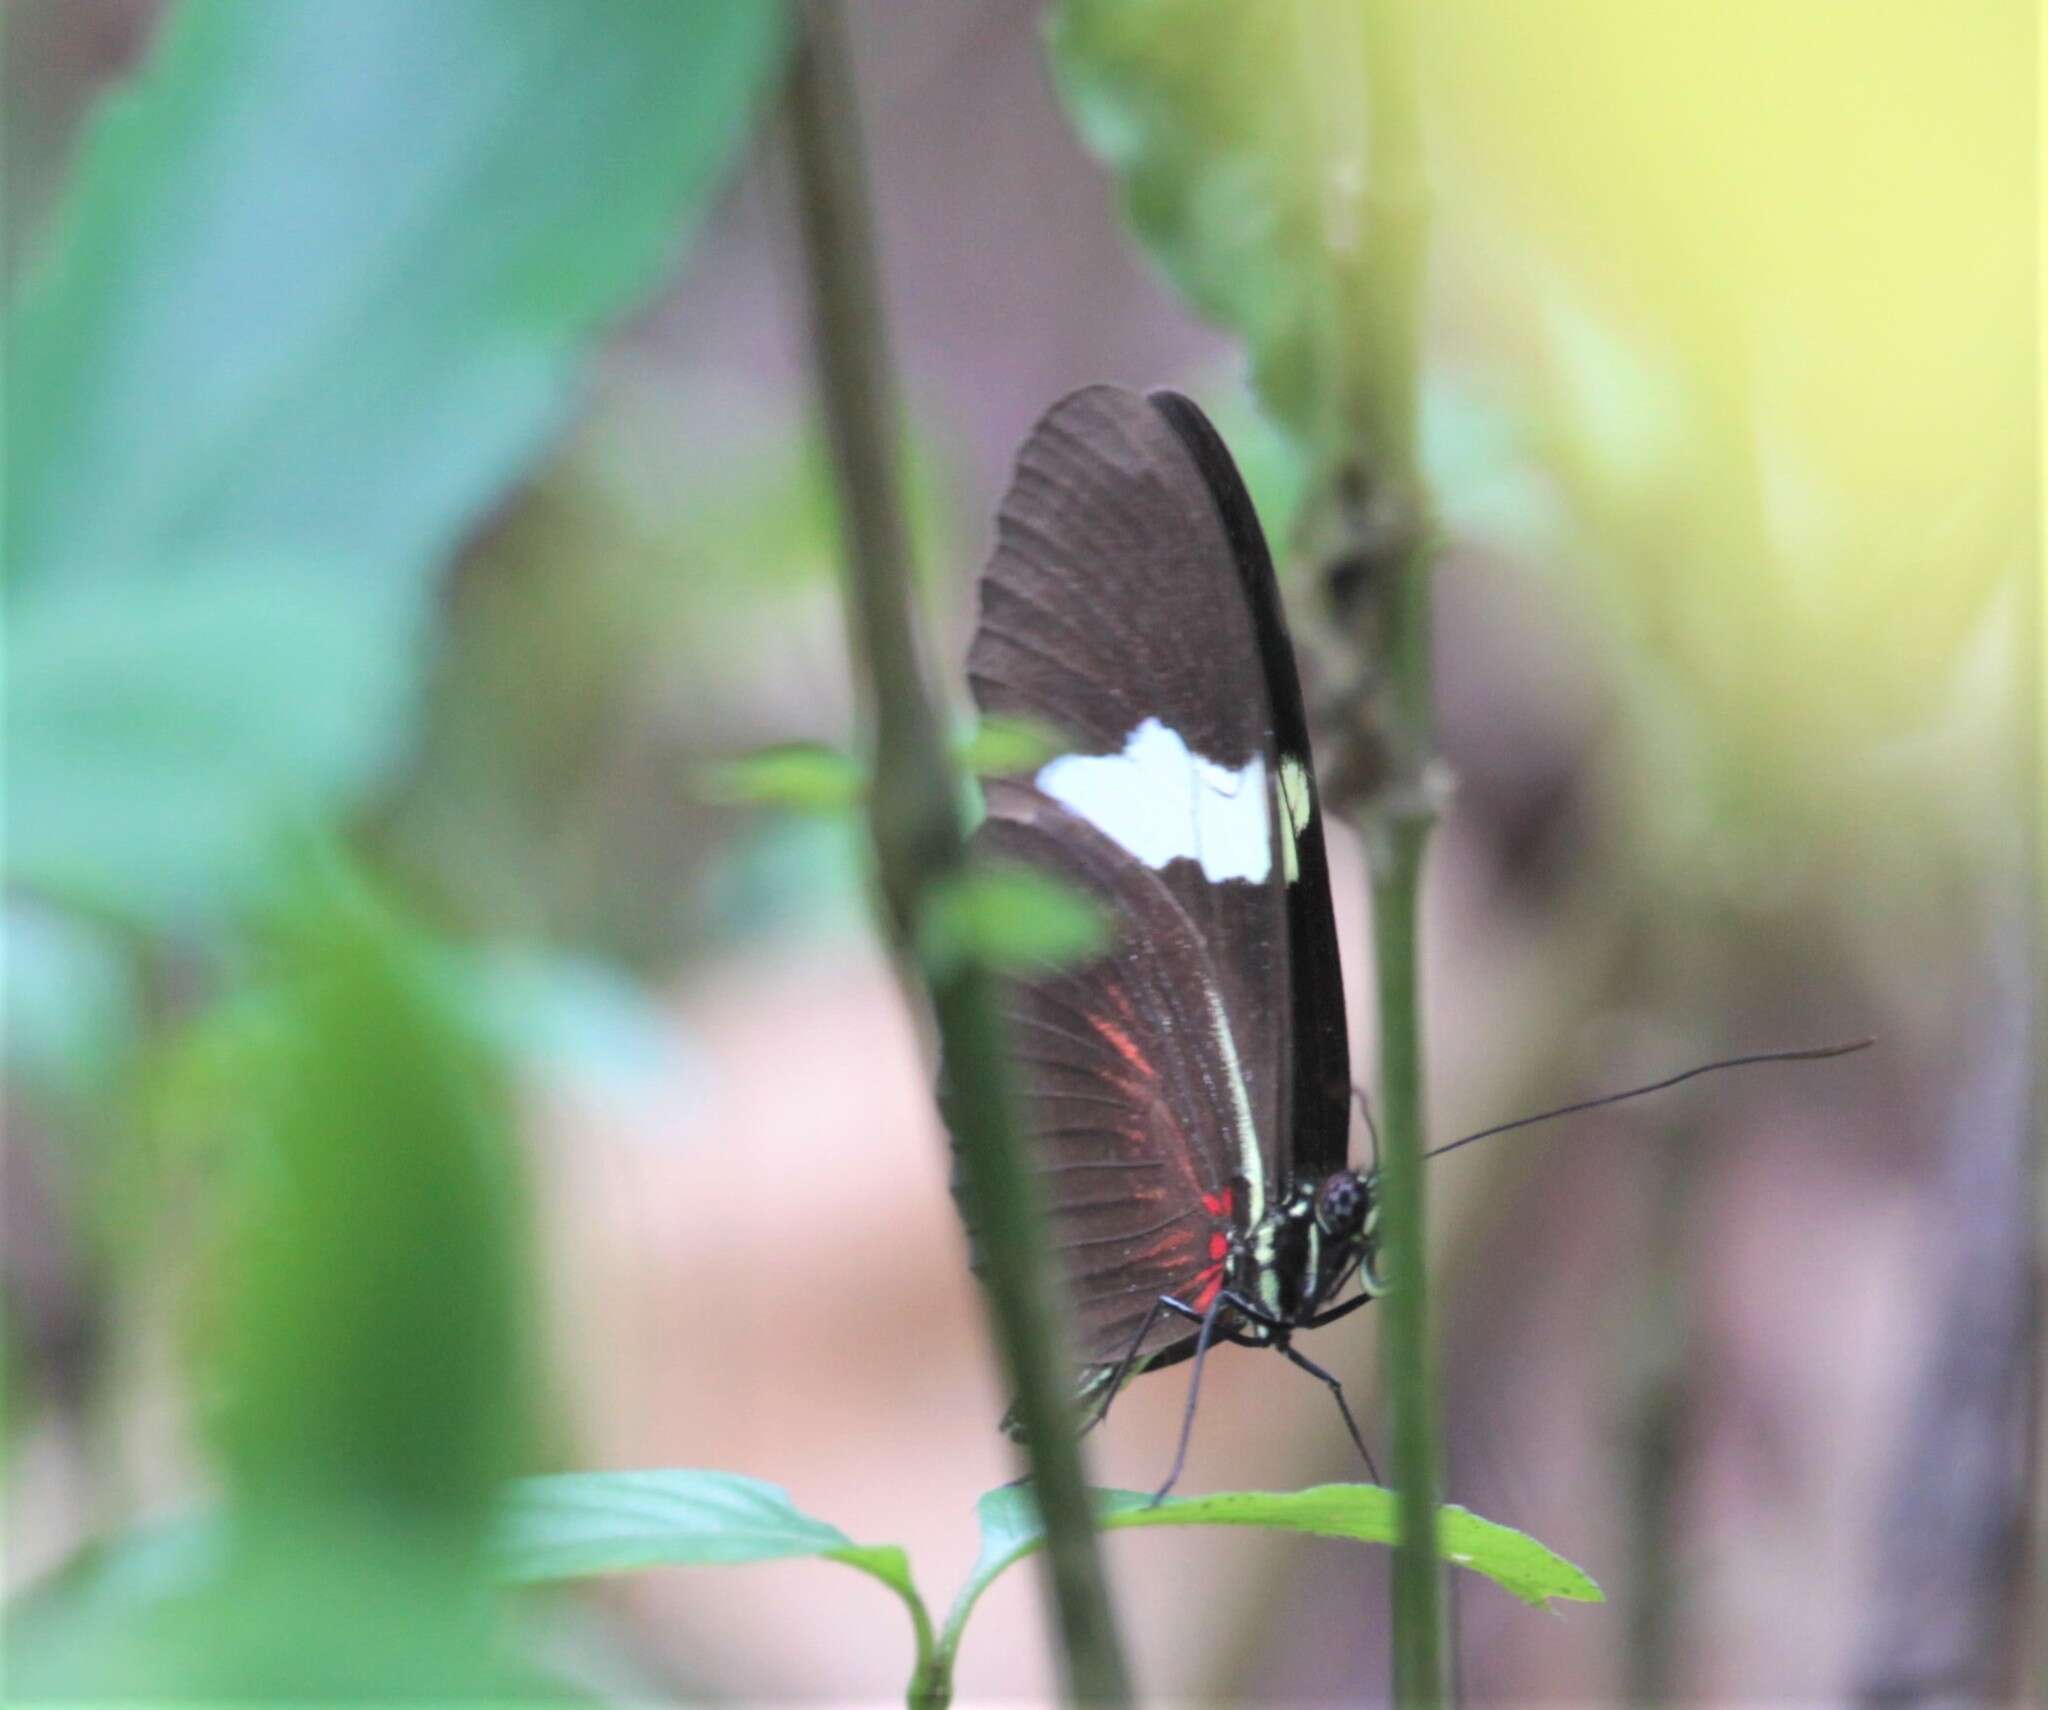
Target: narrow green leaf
[
  {"x": 1012, "y": 919},
  {"x": 1364, "y": 1513},
  {"x": 802, "y": 777},
  {"x": 370, "y": 1355},
  {"x": 1004, "y": 747},
  {"x": 577, "y": 1525}
]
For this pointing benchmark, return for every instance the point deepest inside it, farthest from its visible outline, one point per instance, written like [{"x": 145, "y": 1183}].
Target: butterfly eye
[{"x": 1342, "y": 1204}]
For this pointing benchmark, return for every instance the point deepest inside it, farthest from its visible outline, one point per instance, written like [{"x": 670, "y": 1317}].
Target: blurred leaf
[
  {"x": 371, "y": 1345},
  {"x": 1004, "y": 747},
  {"x": 356, "y": 247},
  {"x": 315, "y": 297},
  {"x": 1479, "y": 456},
  {"x": 1237, "y": 135},
  {"x": 366, "y": 1368},
  {"x": 579, "y": 1018},
  {"x": 790, "y": 875},
  {"x": 71, "y": 1003},
  {"x": 803, "y": 777},
  {"x": 336, "y": 1613},
  {"x": 1011, "y": 918},
  {"x": 162, "y": 728},
  {"x": 574, "y": 1525},
  {"x": 1238, "y": 139}
]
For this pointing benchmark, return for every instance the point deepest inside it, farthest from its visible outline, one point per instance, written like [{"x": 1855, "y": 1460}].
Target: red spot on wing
[{"x": 1220, "y": 1205}]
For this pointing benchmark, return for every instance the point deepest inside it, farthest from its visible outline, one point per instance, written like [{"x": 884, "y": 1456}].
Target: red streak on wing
[{"x": 1123, "y": 1044}]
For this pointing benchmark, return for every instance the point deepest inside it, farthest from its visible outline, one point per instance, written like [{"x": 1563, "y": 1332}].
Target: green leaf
[
  {"x": 1010, "y": 1531},
  {"x": 366, "y": 1357},
  {"x": 369, "y": 1350},
  {"x": 1237, "y": 134},
  {"x": 338, "y": 1612},
  {"x": 576, "y": 1525},
  {"x": 1012, "y": 919},
  {"x": 164, "y": 727},
  {"x": 802, "y": 777},
  {"x": 355, "y": 248},
  {"x": 315, "y": 296}
]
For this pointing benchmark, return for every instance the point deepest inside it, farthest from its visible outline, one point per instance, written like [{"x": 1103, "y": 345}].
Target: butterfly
[{"x": 1187, "y": 1093}]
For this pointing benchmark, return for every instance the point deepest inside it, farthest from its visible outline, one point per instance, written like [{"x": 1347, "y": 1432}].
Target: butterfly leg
[
  {"x": 1202, "y": 1343},
  {"x": 1344, "y": 1407},
  {"x": 1330, "y": 1315},
  {"x": 1123, "y": 1366}
]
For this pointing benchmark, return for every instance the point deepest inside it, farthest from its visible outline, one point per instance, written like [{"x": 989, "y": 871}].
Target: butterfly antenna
[{"x": 1807, "y": 1056}]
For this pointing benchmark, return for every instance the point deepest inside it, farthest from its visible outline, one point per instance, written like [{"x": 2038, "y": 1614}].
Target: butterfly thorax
[{"x": 1301, "y": 1254}]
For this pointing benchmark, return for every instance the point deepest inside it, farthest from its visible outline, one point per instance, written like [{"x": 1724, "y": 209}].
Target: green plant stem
[
  {"x": 1409, "y": 1332},
  {"x": 1382, "y": 420},
  {"x": 920, "y": 844}
]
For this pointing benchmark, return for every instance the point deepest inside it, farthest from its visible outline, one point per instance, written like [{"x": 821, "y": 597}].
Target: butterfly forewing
[
  {"x": 1320, "y": 1103},
  {"x": 1114, "y": 609}
]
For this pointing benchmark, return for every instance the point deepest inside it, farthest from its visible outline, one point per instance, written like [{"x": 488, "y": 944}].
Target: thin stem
[
  {"x": 1658, "y": 1426},
  {"x": 1410, "y": 1350},
  {"x": 920, "y": 845},
  {"x": 1392, "y": 539}
]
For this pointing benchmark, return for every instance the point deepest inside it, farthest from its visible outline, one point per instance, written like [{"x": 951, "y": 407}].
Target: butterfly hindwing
[{"x": 1132, "y": 1110}]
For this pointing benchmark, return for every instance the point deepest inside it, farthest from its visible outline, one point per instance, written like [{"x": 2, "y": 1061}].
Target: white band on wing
[{"x": 1162, "y": 802}]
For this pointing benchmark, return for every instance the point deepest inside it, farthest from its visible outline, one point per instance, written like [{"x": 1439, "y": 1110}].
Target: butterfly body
[{"x": 1187, "y": 1094}]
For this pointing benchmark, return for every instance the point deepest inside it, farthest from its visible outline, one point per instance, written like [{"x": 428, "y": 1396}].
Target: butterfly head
[
  {"x": 1345, "y": 1205},
  {"x": 1313, "y": 1244}
]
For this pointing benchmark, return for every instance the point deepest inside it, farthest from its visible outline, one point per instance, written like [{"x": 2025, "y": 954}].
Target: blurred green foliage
[
  {"x": 663, "y": 597},
  {"x": 1237, "y": 135},
  {"x": 1012, "y": 919},
  {"x": 327, "y": 281},
  {"x": 314, "y": 298},
  {"x": 1760, "y": 425},
  {"x": 318, "y": 292},
  {"x": 364, "y": 1323},
  {"x": 798, "y": 777},
  {"x": 371, "y": 1280}
]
